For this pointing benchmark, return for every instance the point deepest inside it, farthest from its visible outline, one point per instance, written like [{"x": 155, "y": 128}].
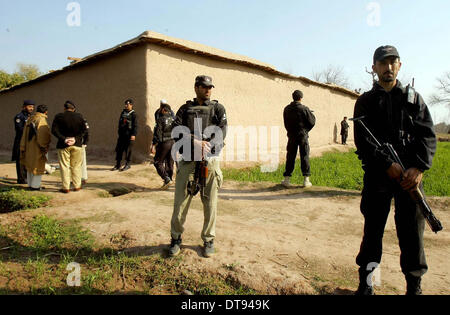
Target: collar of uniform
[
  {"x": 398, "y": 86},
  {"x": 206, "y": 103}
]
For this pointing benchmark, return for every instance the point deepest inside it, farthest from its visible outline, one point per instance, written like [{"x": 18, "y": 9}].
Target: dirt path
[{"x": 278, "y": 241}]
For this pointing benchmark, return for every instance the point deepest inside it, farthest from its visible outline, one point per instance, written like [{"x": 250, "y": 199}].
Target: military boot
[
  {"x": 287, "y": 182},
  {"x": 413, "y": 285},
  {"x": 175, "y": 247},
  {"x": 364, "y": 288},
  {"x": 209, "y": 250}
]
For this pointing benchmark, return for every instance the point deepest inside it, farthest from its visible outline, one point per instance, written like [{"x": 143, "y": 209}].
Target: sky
[{"x": 298, "y": 37}]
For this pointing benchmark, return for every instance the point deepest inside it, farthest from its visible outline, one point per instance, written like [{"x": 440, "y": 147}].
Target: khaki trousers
[
  {"x": 70, "y": 160},
  {"x": 185, "y": 173}
]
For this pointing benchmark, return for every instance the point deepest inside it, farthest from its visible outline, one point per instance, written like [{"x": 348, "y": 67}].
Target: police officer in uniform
[
  {"x": 344, "y": 130},
  {"x": 199, "y": 116},
  {"x": 298, "y": 121},
  {"x": 19, "y": 124},
  {"x": 399, "y": 116},
  {"x": 163, "y": 138},
  {"x": 127, "y": 136},
  {"x": 158, "y": 115}
]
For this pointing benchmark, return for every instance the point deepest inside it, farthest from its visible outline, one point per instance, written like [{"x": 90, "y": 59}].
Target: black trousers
[
  {"x": 409, "y": 222},
  {"x": 344, "y": 138},
  {"x": 294, "y": 144},
  {"x": 163, "y": 159},
  {"x": 124, "y": 145}
]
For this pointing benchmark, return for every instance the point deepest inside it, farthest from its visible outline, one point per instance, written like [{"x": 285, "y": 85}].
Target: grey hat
[
  {"x": 383, "y": 52},
  {"x": 204, "y": 80}
]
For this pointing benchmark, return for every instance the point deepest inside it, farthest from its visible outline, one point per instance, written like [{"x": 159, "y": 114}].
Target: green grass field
[{"x": 343, "y": 170}]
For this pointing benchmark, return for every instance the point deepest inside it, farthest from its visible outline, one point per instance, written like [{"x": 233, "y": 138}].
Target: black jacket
[
  {"x": 68, "y": 125},
  {"x": 163, "y": 129},
  {"x": 19, "y": 124},
  {"x": 128, "y": 123},
  {"x": 298, "y": 120},
  {"x": 385, "y": 113}
]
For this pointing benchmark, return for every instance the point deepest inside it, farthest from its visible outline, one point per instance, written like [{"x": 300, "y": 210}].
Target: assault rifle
[
  {"x": 416, "y": 195},
  {"x": 201, "y": 171},
  {"x": 200, "y": 177}
]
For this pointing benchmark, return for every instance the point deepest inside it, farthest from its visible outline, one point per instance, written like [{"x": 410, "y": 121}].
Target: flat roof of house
[{"x": 187, "y": 47}]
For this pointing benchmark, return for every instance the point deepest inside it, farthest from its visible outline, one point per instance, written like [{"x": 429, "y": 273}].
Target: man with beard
[
  {"x": 19, "y": 124},
  {"x": 399, "y": 116},
  {"x": 197, "y": 118}
]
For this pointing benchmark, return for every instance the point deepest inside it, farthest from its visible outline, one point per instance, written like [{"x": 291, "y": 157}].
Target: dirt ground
[{"x": 274, "y": 240}]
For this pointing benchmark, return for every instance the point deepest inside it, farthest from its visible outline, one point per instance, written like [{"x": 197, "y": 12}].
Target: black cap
[
  {"x": 383, "y": 52},
  {"x": 204, "y": 80},
  {"x": 297, "y": 95},
  {"x": 129, "y": 101},
  {"x": 28, "y": 102}
]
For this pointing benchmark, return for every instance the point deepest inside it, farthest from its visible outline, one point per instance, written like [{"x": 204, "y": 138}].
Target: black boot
[
  {"x": 116, "y": 168},
  {"x": 125, "y": 168},
  {"x": 364, "y": 288},
  {"x": 413, "y": 285}
]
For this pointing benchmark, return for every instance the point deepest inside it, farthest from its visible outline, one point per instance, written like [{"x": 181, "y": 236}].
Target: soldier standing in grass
[
  {"x": 299, "y": 121},
  {"x": 399, "y": 116}
]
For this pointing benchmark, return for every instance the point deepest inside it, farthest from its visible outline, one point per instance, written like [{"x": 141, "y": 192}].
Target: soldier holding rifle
[{"x": 399, "y": 116}]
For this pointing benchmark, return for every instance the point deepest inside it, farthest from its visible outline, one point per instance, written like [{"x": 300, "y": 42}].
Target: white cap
[{"x": 163, "y": 102}]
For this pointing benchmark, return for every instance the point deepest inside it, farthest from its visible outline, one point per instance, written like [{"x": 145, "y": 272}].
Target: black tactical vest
[
  {"x": 199, "y": 117},
  {"x": 126, "y": 122},
  {"x": 167, "y": 127}
]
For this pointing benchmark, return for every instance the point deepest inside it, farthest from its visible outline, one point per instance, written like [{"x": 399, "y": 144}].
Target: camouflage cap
[{"x": 204, "y": 80}]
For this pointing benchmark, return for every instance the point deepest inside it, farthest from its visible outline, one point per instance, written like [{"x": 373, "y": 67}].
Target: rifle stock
[{"x": 416, "y": 195}]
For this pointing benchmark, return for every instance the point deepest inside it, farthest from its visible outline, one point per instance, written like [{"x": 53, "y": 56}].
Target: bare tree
[
  {"x": 332, "y": 75},
  {"x": 442, "y": 96}
]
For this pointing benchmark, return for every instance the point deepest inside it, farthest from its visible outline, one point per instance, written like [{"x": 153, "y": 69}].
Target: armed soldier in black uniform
[
  {"x": 163, "y": 138},
  {"x": 127, "y": 136},
  {"x": 204, "y": 125},
  {"x": 19, "y": 124},
  {"x": 399, "y": 116}
]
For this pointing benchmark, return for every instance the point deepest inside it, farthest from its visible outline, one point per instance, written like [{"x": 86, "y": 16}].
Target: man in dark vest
[
  {"x": 127, "y": 136},
  {"x": 203, "y": 124},
  {"x": 299, "y": 121},
  {"x": 163, "y": 138},
  {"x": 19, "y": 124}
]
